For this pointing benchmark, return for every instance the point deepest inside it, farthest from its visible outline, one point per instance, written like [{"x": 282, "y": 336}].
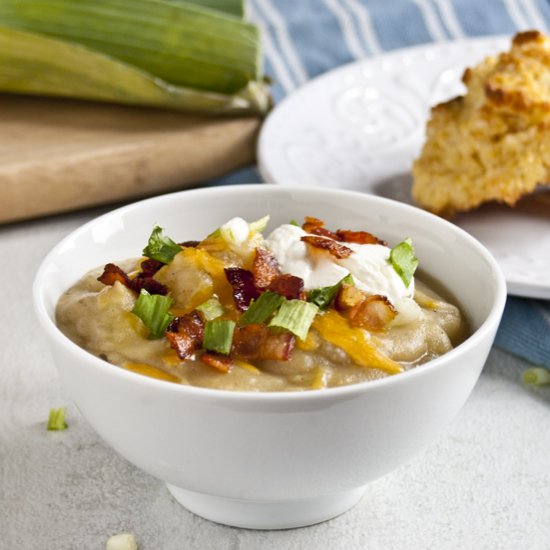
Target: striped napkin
[{"x": 305, "y": 38}]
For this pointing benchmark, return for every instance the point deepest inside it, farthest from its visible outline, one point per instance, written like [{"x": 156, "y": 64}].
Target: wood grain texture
[{"x": 60, "y": 155}]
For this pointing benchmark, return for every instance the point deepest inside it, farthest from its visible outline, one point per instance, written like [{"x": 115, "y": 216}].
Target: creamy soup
[{"x": 303, "y": 308}]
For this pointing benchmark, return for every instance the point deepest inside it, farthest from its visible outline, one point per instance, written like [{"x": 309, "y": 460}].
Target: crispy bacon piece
[
  {"x": 149, "y": 267},
  {"x": 316, "y": 226},
  {"x": 373, "y": 313},
  {"x": 190, "y": 244},
  {"x": 185, "y": 334},
  {"x": 359, "y": 237},
  {"x": 111, "y": 274},
  {"x": 265, "y": 268},
  {"x": 244, "y": 289},
  {"x": 258, "y": 342},
  {"x": 220, "y": 362},
  {"x": 152, "y": 286},
  {"x": 289, "y": 286},
  {"x": 336, "y": 249},
  {"x": 348, "y": 296}
]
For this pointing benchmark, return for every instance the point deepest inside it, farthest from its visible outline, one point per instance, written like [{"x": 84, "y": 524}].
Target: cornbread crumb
[{"x": 493, "y": 144}]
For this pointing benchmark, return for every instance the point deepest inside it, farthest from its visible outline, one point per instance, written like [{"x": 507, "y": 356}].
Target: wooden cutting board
[{"x": 59, "y": 155}]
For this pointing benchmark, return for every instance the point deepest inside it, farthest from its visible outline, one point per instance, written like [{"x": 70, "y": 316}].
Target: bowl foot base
[{"x": 266, "y": 514}]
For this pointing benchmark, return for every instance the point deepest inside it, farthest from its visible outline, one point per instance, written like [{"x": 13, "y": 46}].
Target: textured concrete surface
[{"x": 485, "y": 484}]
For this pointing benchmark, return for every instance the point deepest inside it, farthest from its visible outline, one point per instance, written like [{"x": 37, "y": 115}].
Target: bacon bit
[
  {"x": 185, "y": 334},
  {"x": 149, "y": 267},
  {"x": 289, "y": 286},
  {"x": 220, "y": 362},
  {"x": 336, "y": 249},
  {"x": 348, "y": 296},
  {"x": 111, "y": 274},
  {"x": 316, "y": 226},
  {"x": 258, "y": 342},
  {"x": 265, "y": 268},
  {"x": 152, "y": 286},
  {"x": 373, "y": 313},
  {"x": 190, "y": 244},
  {"x": 244, "y": 290},
  {"x": 359, "y": 237}
]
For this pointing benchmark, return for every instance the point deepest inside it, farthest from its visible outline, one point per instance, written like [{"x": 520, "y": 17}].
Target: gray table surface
[{"x": 484, "y": 484}]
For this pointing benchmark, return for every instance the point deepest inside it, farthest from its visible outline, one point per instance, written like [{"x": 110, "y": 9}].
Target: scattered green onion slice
[
  {"x": 160, "y": 247},
  {"x": 322, "y": 297},
  {"x": 152, "y": 309},
  {"x": 295, "y": 316},
  {"x": 294, "y": 222},
  {"x": 211, "y": 308},
  {"x": 259, "y": 225},
  {"x": 536, "y": 376},
  {"x": 404, "y": 261},
  {"x": 218, "y": 335},
  {"x": 261, "y": 309},
  {"x": 56, "y": 420}
]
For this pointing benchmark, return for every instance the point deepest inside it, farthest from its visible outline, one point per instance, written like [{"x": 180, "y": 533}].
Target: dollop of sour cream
[{"x": 369, "y": 265}]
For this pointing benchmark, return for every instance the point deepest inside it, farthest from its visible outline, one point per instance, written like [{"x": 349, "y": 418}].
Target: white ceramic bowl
[{"x": 272, "y": 460}]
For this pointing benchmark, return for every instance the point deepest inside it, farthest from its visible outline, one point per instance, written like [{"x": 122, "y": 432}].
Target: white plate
[{"x": 361, "y": 125}]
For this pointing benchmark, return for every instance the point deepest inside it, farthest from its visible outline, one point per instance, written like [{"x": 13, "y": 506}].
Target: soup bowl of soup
[{"x": 268, "y": 351}]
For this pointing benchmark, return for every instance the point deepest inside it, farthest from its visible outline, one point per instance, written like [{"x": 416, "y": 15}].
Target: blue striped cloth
[{"x": 305, "y": 38}]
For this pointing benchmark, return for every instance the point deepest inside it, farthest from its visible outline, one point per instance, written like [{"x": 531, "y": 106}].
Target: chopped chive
[
  {"x": 295, "y": 316},
  {"x": 218, "y": 335},
  {"x": 536, "y": 376},
  {"x": 211, "y": 308},
  {"x": 56, "y": 420},
  {"x": 160, "y": 247},
  {"x": 323, "y": 297},
  {"x": 404, "y": 261},
  {"x": 152, "y": 309},
  {"x": 261, "y": 309}
]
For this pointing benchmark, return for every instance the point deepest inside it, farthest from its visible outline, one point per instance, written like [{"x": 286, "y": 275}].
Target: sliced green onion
[
  {"x": 161, "y": 248},
  {"x": 295, "y": 316},
  {"x": 56, "y": 420},
  {"x": 152, "y": 309},
  {"x": 211, "y": 308},
  {"x": 404, "y": 261},
  {"x": 218, "y": 335},
  {"x": 259, "y": 225},
  {"x": 261, "y": 309},
  {"x": 536, "y": 376},
  {"x": 323, "y": 297}
]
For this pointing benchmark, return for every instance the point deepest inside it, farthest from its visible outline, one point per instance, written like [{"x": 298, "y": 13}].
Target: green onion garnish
[
  {"x": 152, "y": 309},
  {"x": 294, "y": 222},
  {"x": 218, "y": 335},
  {"x": 261, "y": 309},
  {"x": 56, "y": 420},
  {"x": 536, "y": 376},
  {"x": 211, "y": 308},
  {"x": 295, "y": 316},
  {"x": 322, "y": 297},
  {"x": 161, "y": 248},
  {"x": 259, "y": 225},
  {"x": 404, "y": 261}
]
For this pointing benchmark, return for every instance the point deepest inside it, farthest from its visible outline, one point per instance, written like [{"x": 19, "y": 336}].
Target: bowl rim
[{"x": 54, "y": 333}]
